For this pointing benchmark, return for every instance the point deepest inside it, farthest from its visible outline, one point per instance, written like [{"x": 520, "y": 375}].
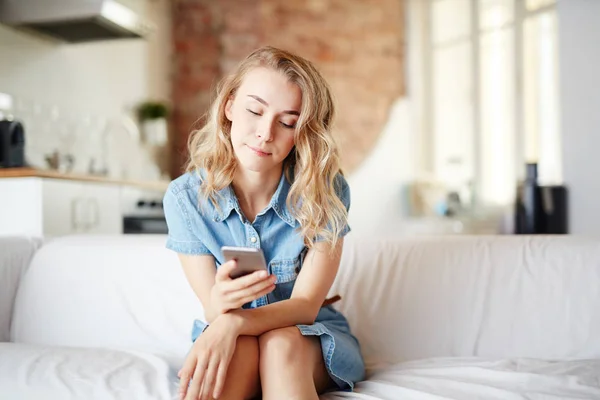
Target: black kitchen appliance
[
  {"x": 540, "y": 209},
  {"x": 147, "y": 217},
  {"x": 12, "y": 143}
]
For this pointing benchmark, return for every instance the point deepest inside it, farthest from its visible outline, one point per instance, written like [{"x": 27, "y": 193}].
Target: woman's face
[{"x": 263, "y": 115}]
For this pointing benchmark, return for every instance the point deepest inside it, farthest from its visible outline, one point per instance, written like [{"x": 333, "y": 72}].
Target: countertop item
[{"x": 39, "y": 173}]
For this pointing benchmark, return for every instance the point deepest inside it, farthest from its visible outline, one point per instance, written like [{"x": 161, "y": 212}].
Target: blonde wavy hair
[{"x": 311, "y": 166}]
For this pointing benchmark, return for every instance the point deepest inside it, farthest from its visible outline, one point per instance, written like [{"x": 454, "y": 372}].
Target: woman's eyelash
[{"x": 283, "y": 124}]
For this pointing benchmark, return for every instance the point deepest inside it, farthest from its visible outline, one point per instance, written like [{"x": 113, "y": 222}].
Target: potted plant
[{"x": 153, "y": 119}]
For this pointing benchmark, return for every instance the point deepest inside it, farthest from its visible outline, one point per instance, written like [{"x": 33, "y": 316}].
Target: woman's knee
[
  {"x": 292, "y": 364},
  {"x": 284, "y": 344}
]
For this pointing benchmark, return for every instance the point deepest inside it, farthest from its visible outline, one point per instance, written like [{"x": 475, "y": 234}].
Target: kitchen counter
[{"x": 39, "y": 173}]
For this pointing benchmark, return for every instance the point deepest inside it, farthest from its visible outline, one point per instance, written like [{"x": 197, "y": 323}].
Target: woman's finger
[
  {"x": 209, "y": 380},
  {"x": 185, "y": 375},
  {"x": 246, "y": 281},
  {"x": 254, "y": 289},
  {"x": 225, "y": 270},
  {"x": 194, "y": 389},
  {"x": 255, "y": 296},
  {"x": 184, "y": 381},
  {"x": 220, "y": 381}
]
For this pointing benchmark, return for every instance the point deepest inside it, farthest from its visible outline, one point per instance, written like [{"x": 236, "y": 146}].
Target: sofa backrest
[
  {"x": 511, "y": 296},
  {"x": 15, "y": 255},
  {"x": 121, "y": 292},
  {"x": 488, "y": 296}
]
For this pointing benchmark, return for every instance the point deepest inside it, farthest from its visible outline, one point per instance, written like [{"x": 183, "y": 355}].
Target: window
[
  {"x": 540, "y": 94},
  {"x": 451, "y": 90},
  {"x": 492, "y": 94}
]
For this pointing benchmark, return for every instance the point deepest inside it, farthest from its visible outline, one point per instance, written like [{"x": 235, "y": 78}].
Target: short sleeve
[
  {"x": 181, "y": 237},
  {"x": 342, "y": 190}
]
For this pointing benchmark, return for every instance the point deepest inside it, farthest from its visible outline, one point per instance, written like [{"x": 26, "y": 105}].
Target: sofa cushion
[
  {"x": 119, "y": 292},
  {"x": 15, "y": 255},
  {"x": 42, "y": 372},
  {"x": 479, "y": 378}
]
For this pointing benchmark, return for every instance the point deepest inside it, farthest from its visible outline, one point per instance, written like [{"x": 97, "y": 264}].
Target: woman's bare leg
[
  {"x": 243, "y": 381},
  {"x": 291, "y": 365}
]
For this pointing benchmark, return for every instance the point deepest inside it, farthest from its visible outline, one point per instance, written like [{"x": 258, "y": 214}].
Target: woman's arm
[
  {"x": 200, "y": 272},
  {"x": 312, "y": 285},
  {"x": 217, "y": 292}
]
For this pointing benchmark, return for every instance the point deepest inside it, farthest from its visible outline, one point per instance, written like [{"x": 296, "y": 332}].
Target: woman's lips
[{"x": 258, "y": 151}]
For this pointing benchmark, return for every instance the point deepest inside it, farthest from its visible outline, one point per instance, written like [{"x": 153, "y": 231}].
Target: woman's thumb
[{"x": 225, "y": 270}]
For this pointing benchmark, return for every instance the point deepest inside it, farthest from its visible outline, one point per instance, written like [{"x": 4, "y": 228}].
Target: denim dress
[{"x": 201, "y": 229}]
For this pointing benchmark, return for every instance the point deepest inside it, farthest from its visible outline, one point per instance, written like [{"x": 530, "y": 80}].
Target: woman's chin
[{"x": 257, "y": 165}]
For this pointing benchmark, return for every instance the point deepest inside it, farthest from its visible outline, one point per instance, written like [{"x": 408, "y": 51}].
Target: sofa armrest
[{"x": 15, "y": 255}]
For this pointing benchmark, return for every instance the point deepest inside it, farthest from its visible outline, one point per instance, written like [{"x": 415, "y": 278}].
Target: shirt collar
[
  {"x": 228, "y": 202},
  {"x": 279, "y": 204}
]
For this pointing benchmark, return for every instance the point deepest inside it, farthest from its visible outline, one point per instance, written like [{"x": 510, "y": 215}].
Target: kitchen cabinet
[
  {"x": 102, "y": 208},
  {"x": 80, "y": 207},
  {"x": 48, "y": 207},
  {"x": 60, "y": 212}
]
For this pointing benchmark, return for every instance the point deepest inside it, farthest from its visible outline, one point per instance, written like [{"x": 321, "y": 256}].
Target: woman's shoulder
[
  {"x": 340, "y": 183},
  {"x": 185, "y": 188},
  {"x": 342, "y": 189},
  {"x": 186, "y": 182}
]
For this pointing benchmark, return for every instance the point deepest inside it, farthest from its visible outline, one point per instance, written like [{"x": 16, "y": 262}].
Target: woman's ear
[{"x": 228, "y": 106}]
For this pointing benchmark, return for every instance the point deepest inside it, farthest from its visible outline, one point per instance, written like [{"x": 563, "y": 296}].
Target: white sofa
[{"x": 438, "y": 318}]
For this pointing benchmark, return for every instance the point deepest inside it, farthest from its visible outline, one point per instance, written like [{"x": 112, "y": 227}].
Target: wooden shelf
[{"x": 39, "y": 173}]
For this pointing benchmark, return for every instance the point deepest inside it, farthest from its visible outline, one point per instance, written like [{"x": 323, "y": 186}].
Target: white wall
[
  {"x": 579, "y": 54},
  {"x": 103, "y": 80},
  {"x": 100, "y": 77},
  {"x": 378, "y": 186}
]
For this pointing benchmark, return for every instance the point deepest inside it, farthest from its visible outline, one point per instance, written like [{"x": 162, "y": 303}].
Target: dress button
[{"x": 253, "y": 239}]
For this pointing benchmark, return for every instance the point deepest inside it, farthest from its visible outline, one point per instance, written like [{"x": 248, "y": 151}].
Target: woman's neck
[{"x": 254, "y": 190}]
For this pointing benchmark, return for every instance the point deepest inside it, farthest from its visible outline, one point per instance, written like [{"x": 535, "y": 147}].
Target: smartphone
[{"x": 248, "y": 260}]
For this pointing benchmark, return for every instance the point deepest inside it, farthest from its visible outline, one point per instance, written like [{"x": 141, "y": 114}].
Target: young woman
[{"x": 264, "y": 173}]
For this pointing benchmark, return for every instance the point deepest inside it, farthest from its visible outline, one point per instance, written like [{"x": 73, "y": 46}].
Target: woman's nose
[{"x": 265, "y": 131}]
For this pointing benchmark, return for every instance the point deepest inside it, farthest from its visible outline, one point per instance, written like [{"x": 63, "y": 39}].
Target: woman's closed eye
[{"x": 258, "y": 114}]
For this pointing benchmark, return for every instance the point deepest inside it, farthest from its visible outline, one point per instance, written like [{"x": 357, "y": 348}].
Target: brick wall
[{"x": 357, "y": 44}]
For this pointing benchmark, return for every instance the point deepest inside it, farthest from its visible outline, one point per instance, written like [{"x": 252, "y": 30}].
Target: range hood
[{"x": 75, "y": 20}]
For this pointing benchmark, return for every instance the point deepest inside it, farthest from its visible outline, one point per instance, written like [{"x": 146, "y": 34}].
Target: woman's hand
[
  {"x": 231, "y": 294},
  {"x": 205, "y": 368}
]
